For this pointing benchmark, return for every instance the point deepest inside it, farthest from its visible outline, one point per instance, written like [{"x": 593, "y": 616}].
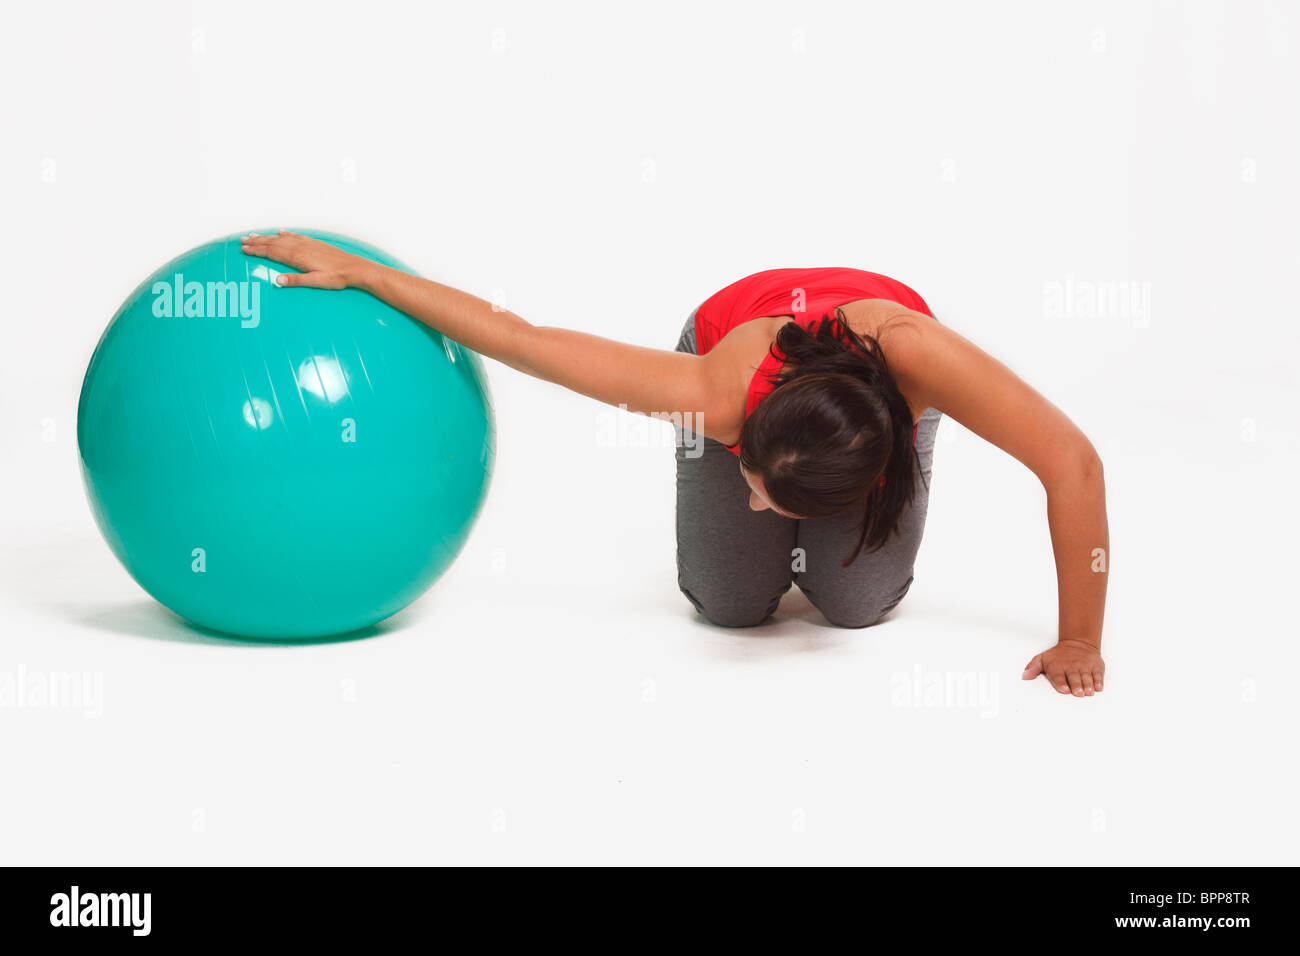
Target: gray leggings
[{"x": 735, "y": 564}]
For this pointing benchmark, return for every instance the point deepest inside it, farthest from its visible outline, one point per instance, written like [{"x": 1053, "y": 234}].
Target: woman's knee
[
  {"x": 732, "y": 609},
  {"x": 857, "y": 610},
  {"x": 855, "y": 616}
]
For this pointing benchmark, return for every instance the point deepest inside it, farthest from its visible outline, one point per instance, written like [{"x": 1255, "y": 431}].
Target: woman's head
[{"x": 835, "y": 434}]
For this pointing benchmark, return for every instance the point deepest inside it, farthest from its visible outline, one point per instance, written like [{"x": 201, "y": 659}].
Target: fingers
[
  {"x": 261, "y": 246},
  {"x": 1057, "y": 676},
  {"x": 1070, "y": 674},
  {"x": 255, "y": 240},
  {"x": 285, "y": 248},
  {"x": 310, "y": 280}
]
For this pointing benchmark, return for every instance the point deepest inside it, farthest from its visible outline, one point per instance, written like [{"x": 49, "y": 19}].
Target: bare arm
[
  {"x": 951, "y": 374},
  {"x": 643, "y": 379}
]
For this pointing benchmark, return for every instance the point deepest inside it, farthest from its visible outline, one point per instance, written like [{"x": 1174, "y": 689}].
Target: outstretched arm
[
  {"x": 643, "y": 379},
  {"x": 953, "y": 375}
]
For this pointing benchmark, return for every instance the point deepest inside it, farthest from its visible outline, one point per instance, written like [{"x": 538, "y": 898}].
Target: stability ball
[{"x": 280, "y": 463}]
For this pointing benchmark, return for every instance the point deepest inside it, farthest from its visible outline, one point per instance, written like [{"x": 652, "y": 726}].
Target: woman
[{"x": 818, "y": 392}]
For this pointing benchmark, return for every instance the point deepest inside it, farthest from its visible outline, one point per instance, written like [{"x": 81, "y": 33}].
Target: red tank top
[{"x": 806, "y": 295}]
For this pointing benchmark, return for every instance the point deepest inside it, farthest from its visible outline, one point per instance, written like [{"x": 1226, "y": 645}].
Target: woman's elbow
[
  {"x": 1079, "y": 467},
  {"x": 1090, "y": 464}
]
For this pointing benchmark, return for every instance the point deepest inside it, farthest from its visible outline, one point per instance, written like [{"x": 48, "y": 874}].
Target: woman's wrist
[
  {"x": 364, "y": 274},
  {"x": 1093, "y": 642}
]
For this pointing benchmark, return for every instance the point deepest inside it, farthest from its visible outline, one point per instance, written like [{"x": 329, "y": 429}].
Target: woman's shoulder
[
  {"x": 887, "y": 321},
  {"x": 906, "y": 338},
  {"x": 731, "y": 366},
  {"x": 743, "y": 348}
]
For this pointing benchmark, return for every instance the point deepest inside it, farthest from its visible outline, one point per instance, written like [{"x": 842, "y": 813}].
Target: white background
[{"x": 606, "y": 167}]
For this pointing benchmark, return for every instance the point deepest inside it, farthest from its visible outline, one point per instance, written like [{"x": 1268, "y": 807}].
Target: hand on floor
[{"x": 1072, "y": 667}]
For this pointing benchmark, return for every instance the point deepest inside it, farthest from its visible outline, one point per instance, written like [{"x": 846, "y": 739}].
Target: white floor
[
  {"x": 1101, "y": 195},
  {"x": 554, "y": 699}
]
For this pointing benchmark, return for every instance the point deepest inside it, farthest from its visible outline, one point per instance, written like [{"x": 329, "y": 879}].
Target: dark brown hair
[{"x": 835, "y": 433}]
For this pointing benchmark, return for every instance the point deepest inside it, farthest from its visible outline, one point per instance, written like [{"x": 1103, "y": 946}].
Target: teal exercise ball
[{"x": 280, "y": 463}]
